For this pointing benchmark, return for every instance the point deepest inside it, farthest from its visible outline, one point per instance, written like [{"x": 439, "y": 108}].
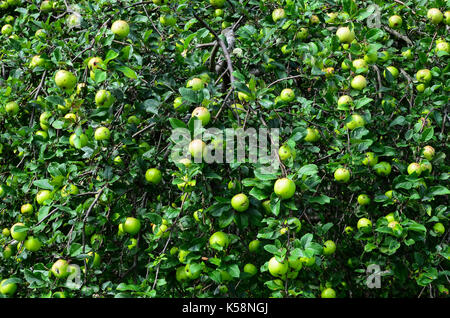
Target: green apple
[
  {"x": 344, "y": 102},
  {"x": 390, "y": 217},
  {"x": 383, "y": 168},
  {"x": 329, "y": 247},
  {"x": 96, "y": 259},
  {"x": 250, "y": 269},
  {"x": 420, "y": 88},
  {"x": 312, "y": 135},
  {"x": 278, "y": 269},
  {"x": 26, "y": 208},
  {"x": 161, "y": 231},
  {"x": 302, "y": 34},
  {"x": 359, "y": 82},
  {"x": 428, "y": 152},
  {"x": 371, "y": 57},
  {"x": 78, "y": 141},
  {"x": 218, "y": 13},
  {"x": 423, "y": 75},
  {"x": 102, "y": 133},
  {"x": 7, "y": 289},
  {"x": 395, "y": 21},
  {"x": 345, "y": 35},
  {"x": 414, "y": 168},
  {"x": 348, "y": 230},
  {"x": 192, "y": 274},
  {"x": 12, "y": 108},
  {"x": 120, "y": 28},
  {"x": 65, "y": 80},
  {"x": 355, "y": 122},
  {"x": 393, "y": 70},
  {"x": 443, "y": 47},
  {"x": 32, "y": 244},
  {"x": 60, "y": 268},
  {"x": 203, "y": 114},
  {"x": 153, "y": 175},
  {"x": 360, "y": 65},
  {"x": 36, "y": 61},
  {"x": 370, "y": 159},
  {"x": 425, "y": 166},
  {"x": 7, "y": 29},
  {"x": 308, "y": 261},
  {"x": 131, "y": 226},
  {"x": 197, "y": 148},
  {"x": 389, "y": 194},
  {"x": 447, "y": 17},
  {"x": 384, "y": 56},
  {"x": 328, "y": 293},
  {"x": 178, "y": 104},
  {"x": 41, "y": 135},
  {"x": 364, "y": 225},
  {"x": 72, "y": 190},
  {"x": 435, "y": 15},
  {"x": 219, "y": 239},
  {"x": 181, "y": 274},
  {"x": 407, "y": 54},
  {"x": 16, "y": 235},
  {"x": 254, "y": 246},
  {"x": 104, "y": 99},
  {"x": 42, "y": 196},
  {"x": 278, "y": 14},
  {"x": 43, "y": 120},
  {"x": 7, "y": 251},
  {"x": 41, "y": 34},
  {"x": 195, "y": 83},
  {"x": 6, "y": 232},
  {"x": 240, "y": 202},
  {"x": 363, "y": 199},
  {"x": 342, "y": 175},
  {"x": 287, "y": 95},
  {"x": 284, "y": 152},
  {"x": 182, "y": 254},
  {"x": 439, "y": 228},
  {"x": 284, "y": 188},
  {"x": 46, "y": 6},
  {"x": 167, "y": 19}
]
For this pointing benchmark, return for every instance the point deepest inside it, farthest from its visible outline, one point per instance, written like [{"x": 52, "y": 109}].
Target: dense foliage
[{"x": 370, "y": 169}]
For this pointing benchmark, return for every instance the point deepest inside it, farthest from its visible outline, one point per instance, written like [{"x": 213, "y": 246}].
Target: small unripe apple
[
  {"x": 65, "y": 80},
  {"x": 439, "y": 228},
  {"x": 363, "y": 199},
  {"x": 195, "y": 83},
  {"x": 383, "y": 168},
  {"x": 102, "y": 133},
  {"x": 447, "y": 17},
  {"x": 328, "y": 293},
  {"x": 33, "y": 244},
  {"x": 287, "y": 95},
  {"x": 371, "y": 57},
  {"x": 15, "y": 234},
  {"x": 12, "y": 108},
  {"x": 284, "y": 188},
  {"x": 342, "y": 175},
  {"x": 443, "y": 47},
  {"x": 383, "y": 56},
  {"x": 7, "y": 29},
  {"x": 395, "y": 21},
  {"x": 370, "y": 159},
  {"x": 355, "y": 122},
  {"x": 42, "y": 196},
  {"x": 203, "y": 114},
  {"x": 302, "y": 34},
  {"x": 278, "y": 269},
  {"x": 364, "y": 225},
  {"x": 344, "y": 101},
  {"x": 284, "y": 152},
  {"x": 197, "y": 148},
  {"x": 104, "y": 98},
  {"x": 329, "y": 247},
  {"x": 428, "y": 152},
  {"x": 131, "y": 226},
  {"x": 425, "y": 166},
  {"x": 423, "y": 75},
  {"x": 153, "y": 175},
  {"x": 393, "y": 70},
  {"x": 95, "y": 62},
  {"x": 120, "y": 28},
  {"x": 407, "y": 54},
  {"x": 414, "y": 167},
  {"x": 345, "y": 35},
  {"x": 7, "y": 289},
  {"x": 360, "y": 65},
  {"x": 359, "y": 82},
  {"x": 254, "y": 245},
  {"x": 312, "y": 134},
  {"x": 26, "y": 208},
  {"x": 240, "y": 202},
  {"x": 78, "y": 141},
  {"x": 36, "y": 61},
  {"x": 278, "y": 14},
  {"x": 60, "y": 268},
  {"x": 219, "y": 239}
]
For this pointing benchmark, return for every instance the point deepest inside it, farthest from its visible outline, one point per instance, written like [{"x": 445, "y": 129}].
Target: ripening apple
[
  {"x": 74, "y": 20},
  {"x": 102, "y": 133},
  {"x": 131, "y": 226},
  {"x": 7, "y": 29},
  {"x": 355, "y": 122},
  {"x": 395, "y": 21},
  {"x": 329, "y": 247},
  {"x": 364, "y": 225},
  {"x": 284, "y": 152},
  {"x": 41, "y": 135},
  {"x": 371, "y": 57},
  {"x": 345, "y": 35},
  {"x": 383, "y": 168},
  {"x": 414, "y": 168},
  {"x": 359, "y": 82},
  {"x": 287, "y": 95},
  {"x": 203, "y": 114},
  {"x": 46, "y": 6},
  {"x": 250, "y": 269},
  {"x": 423, "y": 75},
  {"x": 284, "y": 188},
  {"x": 407, "y": 54},
  {"x": 65, "y": 80},
  {"x": 167, "y": 19},
  {"x": 197, "y": 148},
  {"x": 302, "y": 34},
  {"x": 219, "y": 239},
  {"x": 120, "y": 28},
  {"x": 12, "y": 108},
  {"x": 26, "y": 208},
  {"x": 43, "y": 120},
  {"x": 328, "y": 293},
  {"x": 60, "y": 268},
  {"x": 278, "y": 269},
  {"x": 181, "y": 274},
  {"x": 104, "y": 98},
  {"x": 312, "y": 134},
  {"x": 195, "y": 83},
  {"x": 370, "y": 159},
  {"x": 240, "y": 202},
  {"x": 363, "y": 199},
  {"x": 278, "y": 14},
  {"x": 95, "y": 62},
  {"x": 435, "y": 15},
  {"x": 42, "y": 196},
  {"x": 443, "y": 47},
  {"x": 342, "y": 175},
  {"x": 36, "y": 61},
  {"x": 425, "y": 166},
  {"x": 153, "y": 175},
  {"x": 72, "y": 190},
  {"x": 428, "y": 152}
]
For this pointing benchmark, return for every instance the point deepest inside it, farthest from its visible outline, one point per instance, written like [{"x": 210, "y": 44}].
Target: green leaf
[
  {"x": 128, "y": 72},
  {"x": 43, "y": 184}
]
